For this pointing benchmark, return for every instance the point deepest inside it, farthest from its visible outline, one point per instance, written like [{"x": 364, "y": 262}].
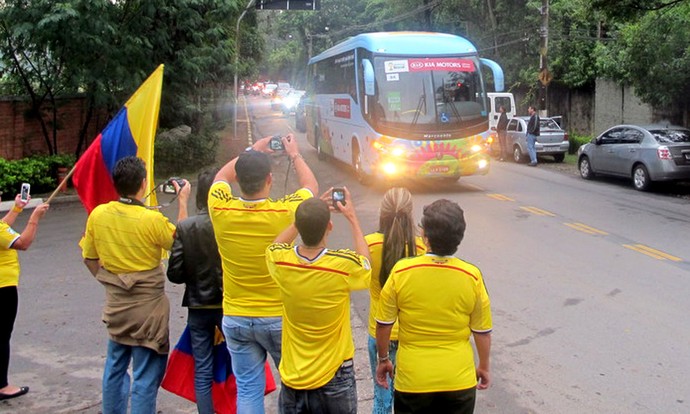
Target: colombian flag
[
  {"x": 179, "y": 376},
  {"x": 131, "y": 132}
]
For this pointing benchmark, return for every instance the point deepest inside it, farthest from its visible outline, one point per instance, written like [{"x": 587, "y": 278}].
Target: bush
[
  {"x": 179, "y": 151},
  {"x": 576, "y": 141},
  {"x": 40, "y": 171}
]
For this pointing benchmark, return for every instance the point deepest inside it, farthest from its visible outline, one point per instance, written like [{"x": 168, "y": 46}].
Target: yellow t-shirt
[
  {"x": 375, "y": 242},
  {"x": 126, "y": 238},
  {"x": 438, "y": 301},
  {"x": 243, "y": 229},
  {"x": 9, "y": 260},
  {"x": 317, "y": 336}
]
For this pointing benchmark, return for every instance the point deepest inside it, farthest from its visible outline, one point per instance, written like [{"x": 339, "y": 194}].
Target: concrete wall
[{"x": 615, "y": 104}]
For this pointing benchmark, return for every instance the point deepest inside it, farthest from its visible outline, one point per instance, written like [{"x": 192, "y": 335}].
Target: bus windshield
[{"x": 440, "y": 94}]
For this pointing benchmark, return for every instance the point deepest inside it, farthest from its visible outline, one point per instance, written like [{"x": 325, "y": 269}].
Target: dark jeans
[
  {"x": 202, "y": 325},
  {"x": 338, "y": 396},
  {"x": 448, "y": 402},
  {"x": 9, "y": 300}
]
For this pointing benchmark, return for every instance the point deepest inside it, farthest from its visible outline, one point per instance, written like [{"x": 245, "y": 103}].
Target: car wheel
[
  {"x": 517, "y": 154},
  {"x": 558, "y": 157},
  {"x": 585, "y": 168},
  {"x": 640, "y": 177},
  {"x": 362, "y": 176}
]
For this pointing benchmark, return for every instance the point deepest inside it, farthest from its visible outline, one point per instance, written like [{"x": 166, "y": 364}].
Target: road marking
[
  {"x": 585, "y": 228},
  {"x": 476, "y": 187},
  {"x": 500, "y": 197},
  {"x": 657, "y": 254},
  {"x": 538, "y": 211},
  {"x": 250, "y": 141}
]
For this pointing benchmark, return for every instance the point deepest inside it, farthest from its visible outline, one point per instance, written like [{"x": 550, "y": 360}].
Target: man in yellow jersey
[
  {"x": 244, "y": 225},
  {"x": 122, "y": 248},
  {"x": 438, "y": 300},
  {"x": 316, "y": 370}
]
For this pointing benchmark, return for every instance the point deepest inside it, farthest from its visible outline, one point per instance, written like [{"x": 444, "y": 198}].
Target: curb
[{"x": 7, "y": 205}]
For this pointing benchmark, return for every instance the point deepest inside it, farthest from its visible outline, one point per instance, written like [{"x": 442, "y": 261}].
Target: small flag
[{"x": 131, "y": 132}]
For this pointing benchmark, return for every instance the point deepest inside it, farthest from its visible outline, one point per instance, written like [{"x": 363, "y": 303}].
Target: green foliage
[
  {"x": 177, "y": 155},
  {"x": 576, "y": 141},
  {"x": 39, "y": 171}
]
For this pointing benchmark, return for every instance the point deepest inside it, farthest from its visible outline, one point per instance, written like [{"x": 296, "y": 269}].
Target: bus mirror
[
  {"x": 368, "y": 77},
  {"x": 497, "y": 71}
]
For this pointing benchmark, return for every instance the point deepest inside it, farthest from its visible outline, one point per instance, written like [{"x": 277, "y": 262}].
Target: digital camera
[
  {"x": 276, "y": 144},
  {"x": 169, "y": 188},
  {"x": 338, "y": 194}
]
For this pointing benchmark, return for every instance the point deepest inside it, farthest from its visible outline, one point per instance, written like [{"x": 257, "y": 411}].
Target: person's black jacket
[
  {"x": 195, "y": 261},
  {"x": 502, "y": 122},
  {"x": 533, "y": 125}
]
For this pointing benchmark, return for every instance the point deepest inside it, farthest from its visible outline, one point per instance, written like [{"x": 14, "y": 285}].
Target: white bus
[{"x": 402, "y": 104}]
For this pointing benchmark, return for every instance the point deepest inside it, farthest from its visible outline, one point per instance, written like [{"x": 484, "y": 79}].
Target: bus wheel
[{"x": 362, "y": 176}]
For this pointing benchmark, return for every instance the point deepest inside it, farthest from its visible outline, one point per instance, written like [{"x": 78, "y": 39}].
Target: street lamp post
[{"x": 237, "y": 63}]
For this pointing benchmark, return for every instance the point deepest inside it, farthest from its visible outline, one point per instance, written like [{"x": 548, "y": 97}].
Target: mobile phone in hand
[
  {"x": 26, "y": 190},
  {"x": 338, "y": 194}
]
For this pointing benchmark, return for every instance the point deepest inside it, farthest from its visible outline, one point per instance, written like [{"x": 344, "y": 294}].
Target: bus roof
[{"x": 402, "y": 43}]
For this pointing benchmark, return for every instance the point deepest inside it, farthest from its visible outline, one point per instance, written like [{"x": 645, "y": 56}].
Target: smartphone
[
  {"x": 338, "y": 194},
  {"x": 26, "y": 189},
  {"x": 276, "y": 144}
]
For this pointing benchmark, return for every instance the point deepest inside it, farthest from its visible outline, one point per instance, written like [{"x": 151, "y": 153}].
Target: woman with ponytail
[{"x": 395, "y": 239}]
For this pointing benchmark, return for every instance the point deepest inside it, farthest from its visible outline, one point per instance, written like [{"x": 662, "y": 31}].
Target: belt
[{"x": 347, "y": 363}]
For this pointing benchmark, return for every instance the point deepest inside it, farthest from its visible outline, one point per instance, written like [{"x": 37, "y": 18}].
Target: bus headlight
[
  {"x": 476, "y": 148},
  {"x": 389, "y": 168},
  {"x": 397, "y": 152},
  {"x": 482, "y": 164}
]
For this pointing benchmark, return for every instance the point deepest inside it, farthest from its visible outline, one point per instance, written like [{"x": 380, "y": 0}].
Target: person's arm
[
  {"x": 182, "y": 199},
  {"x": 93, "y": 265},
  {"x": 288, "y": 235},
  {"x": 384, "y": 366},
  {"x": 304, "y": 173},
  {"x": 348, "y": 210},
  {"x": 176, "y": 272},
  {"x": 29, "y": 234},
  {"x": 16, "y": 209},
  {"x": 482, "y": 340}
]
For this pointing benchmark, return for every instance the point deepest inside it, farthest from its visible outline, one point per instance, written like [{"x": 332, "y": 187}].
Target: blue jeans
[
  {"x": 338, "y": 396},
  {"x": 531, "y": 148},
  {"x": 148, "y": 368},
  {"x": 383, "y": 398},
  {"x": 202, "y": 325},
  {"x": 249, "y": 340}
]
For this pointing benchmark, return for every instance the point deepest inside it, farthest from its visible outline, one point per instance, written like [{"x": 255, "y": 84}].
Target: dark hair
[
  {"x": 128, "y": 174},
  {"x": 311, "y": 219},
  {"x": 204, "y": 182},
  {"x": 252, "y": 168},
  {"x": 397, "y": 226},
  {"x": 444, "y": 226}
]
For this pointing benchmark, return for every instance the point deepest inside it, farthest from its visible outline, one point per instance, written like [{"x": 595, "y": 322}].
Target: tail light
[
  {"x": 565, "y": 136},
  {"x": 664, "y": 153}
]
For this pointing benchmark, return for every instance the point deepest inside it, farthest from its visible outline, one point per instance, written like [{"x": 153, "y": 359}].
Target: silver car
[
  {"x": 552, "y": 139},
  {"x": 646, "y": 154}
]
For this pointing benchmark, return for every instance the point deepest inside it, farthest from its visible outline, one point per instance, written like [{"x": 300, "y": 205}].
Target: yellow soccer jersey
[
  {"x": 317, "y": 336},
  {"x": 243, "y": 229},
  {"x": 9, "y": 260},
  {"x": 126, "y": 238},
  {"x": 438, "y": 301},
  {"x": 375, "y": 243}
]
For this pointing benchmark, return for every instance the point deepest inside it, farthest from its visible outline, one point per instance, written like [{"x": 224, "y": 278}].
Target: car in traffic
[
  {"x": 290, "y": 100},
  {"x": 268, "y": 90},
  {"x": 301, "y": 114},
  {"x": 553, "y": 140},
  {"x": 643, "y": 153}
]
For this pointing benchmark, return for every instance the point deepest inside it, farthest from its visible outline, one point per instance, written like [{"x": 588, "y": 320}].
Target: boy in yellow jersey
[
  {"x": 316, "y": 370},
  {"x": 244, "y": 225},
  {"x": 439, "y": 301},
  {"x": 122, "y": 248}
]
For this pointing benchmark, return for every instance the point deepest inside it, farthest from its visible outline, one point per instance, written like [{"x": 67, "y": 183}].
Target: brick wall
[{"x": 21, "y": 135}]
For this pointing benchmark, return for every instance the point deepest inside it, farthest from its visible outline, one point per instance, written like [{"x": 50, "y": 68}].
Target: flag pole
[{"x": 62, "y": 184}]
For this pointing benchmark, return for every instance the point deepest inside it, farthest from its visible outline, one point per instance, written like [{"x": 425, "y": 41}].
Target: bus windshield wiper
[{"x": 420, "y": 104}]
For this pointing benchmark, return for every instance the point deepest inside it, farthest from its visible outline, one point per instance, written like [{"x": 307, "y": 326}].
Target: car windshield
[
  {"x": 440, "y": 94},
  {"x": 548, "y": 123},
  {"x": 669, "y": 136}
]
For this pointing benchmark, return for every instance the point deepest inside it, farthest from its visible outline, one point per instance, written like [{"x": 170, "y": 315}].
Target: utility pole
[{"x": 544, "y": 75}]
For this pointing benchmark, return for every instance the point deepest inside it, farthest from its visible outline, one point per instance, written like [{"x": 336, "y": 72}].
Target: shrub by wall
[{"x": 40, "y": 171}]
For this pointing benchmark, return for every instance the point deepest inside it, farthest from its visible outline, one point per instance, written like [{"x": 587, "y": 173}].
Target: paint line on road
[
  {"x": 538, "y": 211},
  {"x": 500, "y": 197},
  {"x": 586, "y": 229},
  {"x": 657, "y": 254}
]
